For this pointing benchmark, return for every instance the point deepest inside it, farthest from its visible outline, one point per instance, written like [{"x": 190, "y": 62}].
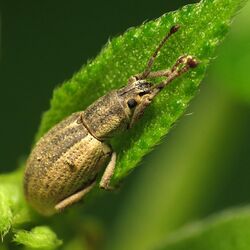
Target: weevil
[{"x": 63, "y": 166}]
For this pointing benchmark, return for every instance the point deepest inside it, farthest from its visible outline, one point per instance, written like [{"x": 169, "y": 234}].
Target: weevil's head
[{"x": 135, "y": 97}]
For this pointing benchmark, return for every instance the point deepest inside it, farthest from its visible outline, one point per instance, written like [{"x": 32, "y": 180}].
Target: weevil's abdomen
[{"x": 64, "y": 161}]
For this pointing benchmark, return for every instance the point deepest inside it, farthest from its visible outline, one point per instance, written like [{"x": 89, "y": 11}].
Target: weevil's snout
[
  {"x": 145, "y": 98},
  {"x": 136, "y": 96}
]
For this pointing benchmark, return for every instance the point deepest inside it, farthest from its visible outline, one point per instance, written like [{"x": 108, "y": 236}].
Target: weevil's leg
[
  {"x": 182, "y": 65},
  {"x": 74, "y": 197},
  {"x": 160, "y": 73},
  {"x": 108, "y": 173},
  {"x": 150, "y": 63},
  {"x": 167, "y": 72}
]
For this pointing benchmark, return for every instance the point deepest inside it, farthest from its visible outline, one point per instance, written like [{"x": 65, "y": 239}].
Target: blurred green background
[{"x": 201, "y": 167}]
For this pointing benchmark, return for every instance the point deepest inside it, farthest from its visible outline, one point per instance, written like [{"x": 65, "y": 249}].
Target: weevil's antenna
[{"x": 153, "y": 57}]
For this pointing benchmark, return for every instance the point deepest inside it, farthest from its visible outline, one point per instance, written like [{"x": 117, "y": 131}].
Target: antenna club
[{"x": 174, "y": 28}]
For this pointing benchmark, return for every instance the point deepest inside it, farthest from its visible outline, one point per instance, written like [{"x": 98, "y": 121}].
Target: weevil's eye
[{"x": 132, "y": 103}]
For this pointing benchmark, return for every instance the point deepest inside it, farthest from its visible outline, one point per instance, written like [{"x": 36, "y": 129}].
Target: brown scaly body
[
  {"x": 65, "y": 162},
  {"x": 59, "y": 158},
  {"x": 68, "y": 158}
]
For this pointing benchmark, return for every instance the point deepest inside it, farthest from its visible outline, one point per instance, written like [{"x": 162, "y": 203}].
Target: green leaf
[
  {"x": 203, "y": 26},
  {"x": 41, "y": 237},
  {"x": 227, "y": 231},
  {"x": 13, "y": 208}
]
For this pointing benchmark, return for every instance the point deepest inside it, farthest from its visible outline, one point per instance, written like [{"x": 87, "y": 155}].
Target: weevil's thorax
[
  {"x": 115, "y": 111},
  {"x": 105, "y": 117}
]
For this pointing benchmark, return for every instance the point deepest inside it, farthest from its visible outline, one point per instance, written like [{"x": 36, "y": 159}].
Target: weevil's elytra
[{"x": 64, "y": 164}]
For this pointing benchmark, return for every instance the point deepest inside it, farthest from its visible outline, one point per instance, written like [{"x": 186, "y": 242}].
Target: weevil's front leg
[
  {"x": 74, "y": 197},
  {"x": 154, "y": 74},
  {"x": 166, "y": 72},
  {"x": 108, "y": 173}
]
